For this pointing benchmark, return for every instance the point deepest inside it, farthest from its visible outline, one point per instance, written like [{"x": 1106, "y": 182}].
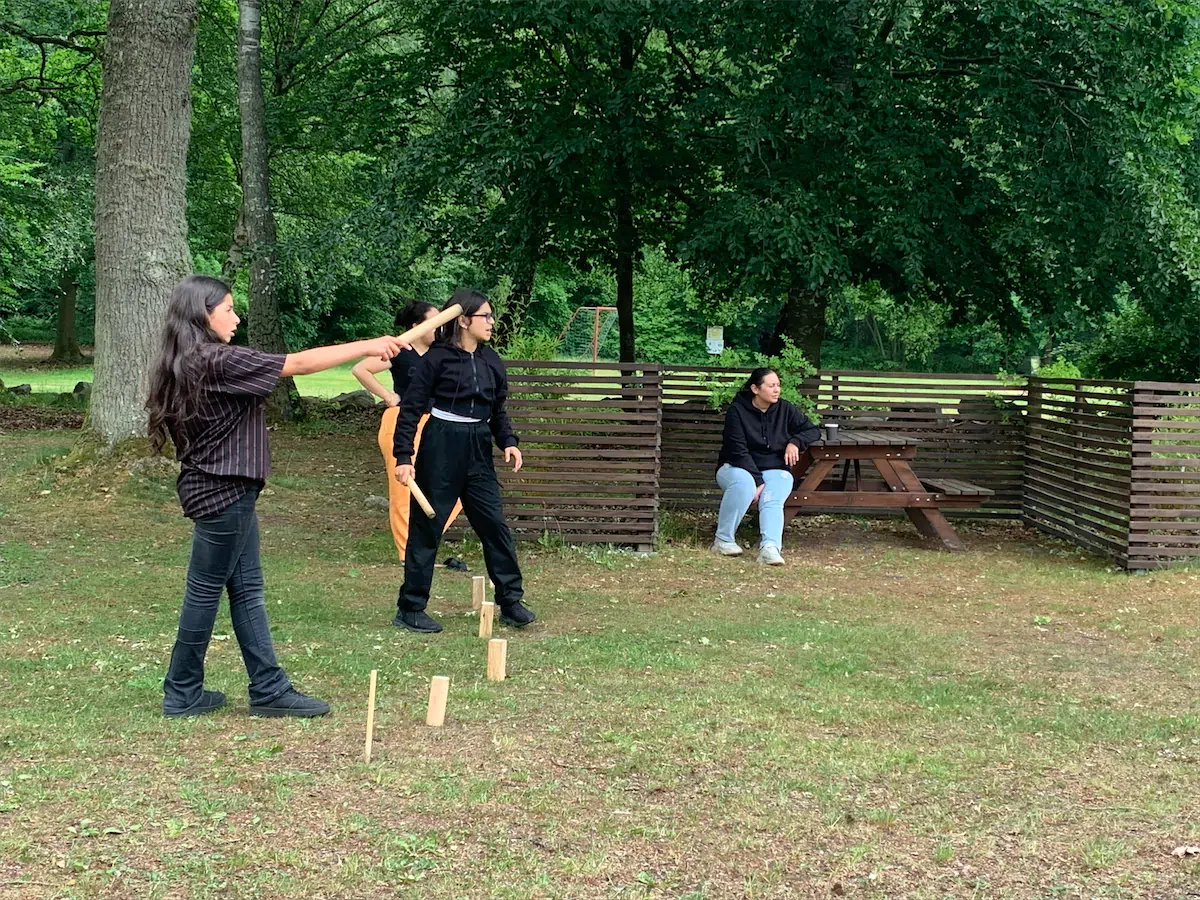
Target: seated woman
[{"x": 764, "y": 437}]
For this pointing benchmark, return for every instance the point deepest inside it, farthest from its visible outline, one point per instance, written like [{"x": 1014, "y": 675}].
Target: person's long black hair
[
  {"x": 413, "y": 314},
  {"x": 471, "y": 301},
  {"x": 174, "y": 388}
]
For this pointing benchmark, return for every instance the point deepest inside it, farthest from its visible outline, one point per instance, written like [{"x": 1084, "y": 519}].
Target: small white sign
[{"x": 714, "y": 339}]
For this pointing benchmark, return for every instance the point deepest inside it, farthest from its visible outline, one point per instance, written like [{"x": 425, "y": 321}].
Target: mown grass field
[
  {"x": 28, "y": 366},
  {"x": 877, "y": 719}
]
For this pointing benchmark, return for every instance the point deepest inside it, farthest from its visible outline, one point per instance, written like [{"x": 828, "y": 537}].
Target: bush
[
  {"x": 27, "y": 330},
  {"x": 791, "y": 365}
]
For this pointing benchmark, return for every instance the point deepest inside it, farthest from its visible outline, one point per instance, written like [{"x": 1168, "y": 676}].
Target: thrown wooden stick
[
  {"x": 370, "y": 717},
  {"x": 420, "y": 497},
  {"x": 430, "y": 324},
  {"x": 478, "y": 588}
]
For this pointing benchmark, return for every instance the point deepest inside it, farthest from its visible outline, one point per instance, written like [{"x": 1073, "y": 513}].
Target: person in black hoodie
[
  {"x": 463, "y": 384},
  {"x": 763, "y": 438}
]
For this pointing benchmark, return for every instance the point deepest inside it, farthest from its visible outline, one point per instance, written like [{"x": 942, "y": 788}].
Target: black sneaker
[
  {"x": 209, "y": 700},
  {"x": 517, "y": 615},
  {"x": 454, "y": 564},
  {"x": 291, "y": 703},
  {"x": 419, "y": 621}
]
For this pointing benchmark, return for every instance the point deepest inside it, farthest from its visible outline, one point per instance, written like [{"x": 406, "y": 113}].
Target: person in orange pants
[{"x": 399, "y": 497}]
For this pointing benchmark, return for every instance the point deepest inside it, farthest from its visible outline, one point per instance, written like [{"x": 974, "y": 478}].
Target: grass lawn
[
  {"x": 29, "y": 367},
  {"x": 877, "y": 719}
]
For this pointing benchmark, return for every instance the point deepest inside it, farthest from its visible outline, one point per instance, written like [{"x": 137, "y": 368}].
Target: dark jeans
[
  {"x": 225, "y": 554},
  {"x": 455, "y": 463}
]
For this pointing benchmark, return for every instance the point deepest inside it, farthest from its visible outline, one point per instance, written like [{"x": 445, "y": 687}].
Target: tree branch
[{"x": 49, "y": 40}]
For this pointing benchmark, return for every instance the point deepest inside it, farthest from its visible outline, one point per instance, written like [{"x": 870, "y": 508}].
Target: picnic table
[{"x": 891, "y": 454}]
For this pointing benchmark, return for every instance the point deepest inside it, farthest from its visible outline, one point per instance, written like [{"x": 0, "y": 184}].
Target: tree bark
[
  {"x": 141, "y": 183},
  {"x": 266, "y": 327},
  {"x": 802, "y": 320},
  {"x": 237, "y": 249},
  {"x": 626, "y": 234},
  {"x": 66, "y": 347}
]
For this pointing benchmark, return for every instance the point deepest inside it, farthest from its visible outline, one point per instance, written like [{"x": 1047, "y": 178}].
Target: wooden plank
[
  {"x": 1094, "y": 543},
  {"x": 865, "y": 499},
  {"x": 1078, "y": 498},
  {"x": 1086, "y": 453},
  {"x": 1117, "y": 494},
  {"x": 1142, "y": 387},
  {"x": 1068, "y": 510},
  {"x": 1115, "y": 481}
]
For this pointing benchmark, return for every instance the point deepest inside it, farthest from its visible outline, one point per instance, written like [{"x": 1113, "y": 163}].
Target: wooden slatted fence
[
  {"x": 1077, "y": 462},
  {"x": 1112, "y": 466},
  {"x": 590, "y": 438},
  {"x": 1164, "y": 501}
]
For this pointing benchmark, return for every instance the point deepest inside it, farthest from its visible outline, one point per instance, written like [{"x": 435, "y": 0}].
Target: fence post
[
  {"x": 1033, "y": 412},
  {"x": 657, "y": 384},
  {"x": 1139, "y": 466}
]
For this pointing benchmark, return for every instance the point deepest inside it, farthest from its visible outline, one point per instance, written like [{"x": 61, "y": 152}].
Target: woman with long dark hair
[
  {"x": 763, "y": 438},
  {"x": 399, "y": 497},
  {"x": 208, "y": 398},
  {"x": 463, "y": 383}
]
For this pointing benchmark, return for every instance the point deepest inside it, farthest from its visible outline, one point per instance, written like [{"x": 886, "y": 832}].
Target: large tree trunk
[
  {"x": 141, "y": 182},
  {"x": 66, "y": 347},
  {"x": 802, "y": 320},
  {"x": 626, "y": 234},
  {"x": 266, "y": 327}
]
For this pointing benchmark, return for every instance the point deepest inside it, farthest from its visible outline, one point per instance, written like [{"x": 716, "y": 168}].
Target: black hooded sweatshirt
[
  {"x": 754, "y": 440},
  {"x": 455, "y": 381}
]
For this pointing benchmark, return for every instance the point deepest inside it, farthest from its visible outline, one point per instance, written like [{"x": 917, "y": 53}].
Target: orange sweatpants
[{"x": 398, "y": 494}]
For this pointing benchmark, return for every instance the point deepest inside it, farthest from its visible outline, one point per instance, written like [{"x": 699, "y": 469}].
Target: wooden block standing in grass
[
  {"x": 497, "y": 664},
  {"x": 487, "y": 612},
  {"x": 439, "y": 691},
  {"x": 370, "y": 717},
  {"x": 478, "y": 587}
]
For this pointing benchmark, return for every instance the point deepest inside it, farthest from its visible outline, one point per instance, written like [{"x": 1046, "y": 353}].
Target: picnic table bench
[{"x": 891, "y": 454}]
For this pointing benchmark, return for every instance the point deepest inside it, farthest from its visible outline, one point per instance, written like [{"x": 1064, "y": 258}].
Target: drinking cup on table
[{"x": 831, "y": 431}]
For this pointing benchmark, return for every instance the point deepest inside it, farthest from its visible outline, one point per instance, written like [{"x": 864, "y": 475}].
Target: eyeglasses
[{"x": 489, "y": 316}]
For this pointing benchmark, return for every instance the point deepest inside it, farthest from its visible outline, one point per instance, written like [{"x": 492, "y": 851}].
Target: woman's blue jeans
[
  {"x": 225, "y": 555},
  {"x": 739, "y": 488}
]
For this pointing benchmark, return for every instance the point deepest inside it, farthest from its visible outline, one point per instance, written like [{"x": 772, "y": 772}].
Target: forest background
[{"x": 883, "y": 184}]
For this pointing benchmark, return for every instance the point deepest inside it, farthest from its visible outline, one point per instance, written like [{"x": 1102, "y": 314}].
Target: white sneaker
[
  {"x": 769, "y": 555},
  {"x": 727, "y": 548}
]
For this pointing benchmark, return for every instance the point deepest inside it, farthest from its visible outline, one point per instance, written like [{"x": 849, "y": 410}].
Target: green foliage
[
  {"x": 1134, "y": 342},
  {"x": 790, "y": 363},
  {"x": 901, "y": 335},
  {"x": 1060, "y": 368}
]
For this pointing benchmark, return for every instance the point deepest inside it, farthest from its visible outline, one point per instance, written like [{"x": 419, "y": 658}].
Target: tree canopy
[{"x": 886, "y": 184}]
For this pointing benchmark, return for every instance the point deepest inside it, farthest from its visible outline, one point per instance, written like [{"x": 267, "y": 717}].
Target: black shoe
[
  {"x": 517, "y": 615},
  {"x": 419, "y": 621},
  {"x": 291, "y": 703},
  {"x": 456, "y": 564},
  {"x": 209, "y": 700}
]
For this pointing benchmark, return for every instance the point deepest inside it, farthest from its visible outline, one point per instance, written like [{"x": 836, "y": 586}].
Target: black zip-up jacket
[
  {"x": 455, "y": 381},
  {"x": 755, "y": 441}
]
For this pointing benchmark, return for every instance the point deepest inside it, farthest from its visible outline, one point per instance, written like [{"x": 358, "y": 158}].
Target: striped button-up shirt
[{"x": 226, "y": 453}]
